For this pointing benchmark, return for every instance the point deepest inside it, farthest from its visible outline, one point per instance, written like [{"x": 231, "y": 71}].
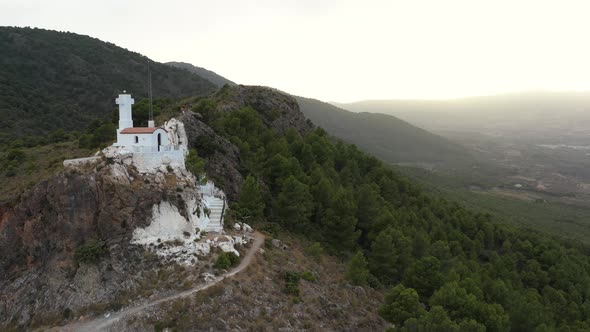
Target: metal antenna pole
[{"x": 151, "y": 115}]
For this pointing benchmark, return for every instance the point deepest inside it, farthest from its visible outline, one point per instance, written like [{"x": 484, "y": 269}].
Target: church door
[{"x": 159, "y": 141}]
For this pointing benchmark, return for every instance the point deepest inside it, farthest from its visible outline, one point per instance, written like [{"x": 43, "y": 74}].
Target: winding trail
[{"x": 102, "y": 323}]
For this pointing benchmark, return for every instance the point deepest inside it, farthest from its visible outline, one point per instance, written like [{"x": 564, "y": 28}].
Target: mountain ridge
[
  {"x": 534, "y": 113},
  {"x": 419, "y": 261},
  {"x": 387, "y": 137},
  {"x": 51, "y": 80},
  {"x": 207, "y": 74}
]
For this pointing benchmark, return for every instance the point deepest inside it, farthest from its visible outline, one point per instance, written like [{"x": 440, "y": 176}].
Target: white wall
[
  {"x": 146, "y": 162},
  {"x": 128, "y": 140},
  {"x": 125, "y": 120}
]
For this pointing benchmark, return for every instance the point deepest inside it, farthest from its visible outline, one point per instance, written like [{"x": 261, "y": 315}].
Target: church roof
[{"x": 140, "y": 130}]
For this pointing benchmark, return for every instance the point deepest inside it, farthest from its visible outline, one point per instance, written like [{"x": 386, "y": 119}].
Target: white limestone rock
[
  {"x": 208, "y": 277},
  {"x": 247, "y": 228},
  {"x": 176, "y": 133},
  {"x": 228, "y": 247},
  {"x": 119, "y": 173},
  {"x": 237, "y": 226},
  {"x": 178, "y": 237},
  {"x": 74, "y": 163},
  {"x": 240, "y": 240},
  {"x": 167, "y": 225},
  {"x": 202, "y": 248},
  {"x": 117, "y": 152},
  {"x": 226, "y": 243}
]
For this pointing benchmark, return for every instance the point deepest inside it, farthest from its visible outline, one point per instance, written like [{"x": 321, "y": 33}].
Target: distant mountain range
[
  {"x": 385, "y": 136},
  {"x": 533, "y": 115},
  {"x": 51, "y": 80},
  {"x": 207, "y": 74}
]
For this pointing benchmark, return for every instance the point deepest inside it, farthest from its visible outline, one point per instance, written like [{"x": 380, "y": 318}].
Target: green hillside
[
  {"x": 442, "y": 267},
  {"x": 51, "y": 80},
  {"x": 446, "y": 267},
  {"x": 207, "y": 74},
  {"x": 387, "y": 137}
]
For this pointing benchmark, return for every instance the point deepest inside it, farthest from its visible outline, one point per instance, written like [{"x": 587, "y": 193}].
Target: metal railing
[
  {"x": 151, "y": 149},
  {"x": 222, "y": 213}
]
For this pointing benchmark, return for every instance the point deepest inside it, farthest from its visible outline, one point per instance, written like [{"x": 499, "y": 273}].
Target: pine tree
[
  {"x": 401, "y": 304},
  {"x": 357, "y": 272},
  {"x": 383, "y": 257},
  {"x": 250, "y": 205},
  {"x": 293, "y": 205},
  {"x": 340, "y": 221}
]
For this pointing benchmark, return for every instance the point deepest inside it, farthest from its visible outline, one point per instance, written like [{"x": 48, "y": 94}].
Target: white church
[{"x": 152, "y": 147}]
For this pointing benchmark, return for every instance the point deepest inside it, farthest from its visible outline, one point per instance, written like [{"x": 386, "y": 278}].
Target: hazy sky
[{"x": 345, "y": 50}]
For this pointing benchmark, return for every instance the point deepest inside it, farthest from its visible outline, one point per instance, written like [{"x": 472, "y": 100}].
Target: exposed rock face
[
  {"x": 40, "y": 234},
  {"x": 104, "y": 202},
  {"x": 223, "y": 158},
  {"x": 279, "y": 110},
  {"x": 176, "y": 132}
]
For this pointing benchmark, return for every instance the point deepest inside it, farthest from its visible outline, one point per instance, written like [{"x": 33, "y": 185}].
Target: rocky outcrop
[
  {"x": 223, "y": 157},
  {"x": 176, "y": 133},
  {"x": 99, "y": 205},
  {"x": 278, "y": 109}
]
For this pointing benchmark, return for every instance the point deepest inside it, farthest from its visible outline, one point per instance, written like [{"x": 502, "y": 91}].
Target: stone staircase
[{"x": 216, "y": 214}]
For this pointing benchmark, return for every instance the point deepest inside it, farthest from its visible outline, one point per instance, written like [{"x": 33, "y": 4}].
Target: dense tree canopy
[
  {"x": 452, "y": 269},
  {"x": 51, "y": 80}
]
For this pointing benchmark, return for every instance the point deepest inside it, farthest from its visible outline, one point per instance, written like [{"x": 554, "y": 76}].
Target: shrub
[
  {"x": 16, "y": 154},
  {"x": 292, "y": 283},
  {"x": 358, "y": 272},
  {"x": 226, "y": 260},
  {"x": 315, "y": 251},
  {"x": 308, "y": 276},
  {"x": 90, "y": 253},
  {"x": 10, "y": 171},
  {"x": 292, "y": 276},
  {"x": 292, "y": 288},
  {"x": 271, "y": 228},
  {"x": 194, "y": 163}
]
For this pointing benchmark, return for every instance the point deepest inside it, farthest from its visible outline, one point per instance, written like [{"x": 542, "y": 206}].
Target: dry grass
[
  {"x": 41, "y": 163},
  {"x": 255, "y": 300}
]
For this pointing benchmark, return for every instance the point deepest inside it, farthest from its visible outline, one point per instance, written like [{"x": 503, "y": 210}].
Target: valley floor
[{"x": 538, "y": 211}]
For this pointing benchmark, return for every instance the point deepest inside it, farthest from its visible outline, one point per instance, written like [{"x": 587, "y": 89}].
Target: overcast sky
[{"x": 345, "y": 50}]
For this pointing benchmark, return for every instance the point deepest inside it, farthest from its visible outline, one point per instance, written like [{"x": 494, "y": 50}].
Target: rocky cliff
[
  {"x": 96, "y": 207},
  {"x": 223, "y": 158},
  {"x": 66, "y": 244},
  {"x": 279, "y": 110},
  {"x": 99, "y": 232}
]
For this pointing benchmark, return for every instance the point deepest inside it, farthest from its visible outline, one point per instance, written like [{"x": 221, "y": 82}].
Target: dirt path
[{"x": 103, "y": 323}]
